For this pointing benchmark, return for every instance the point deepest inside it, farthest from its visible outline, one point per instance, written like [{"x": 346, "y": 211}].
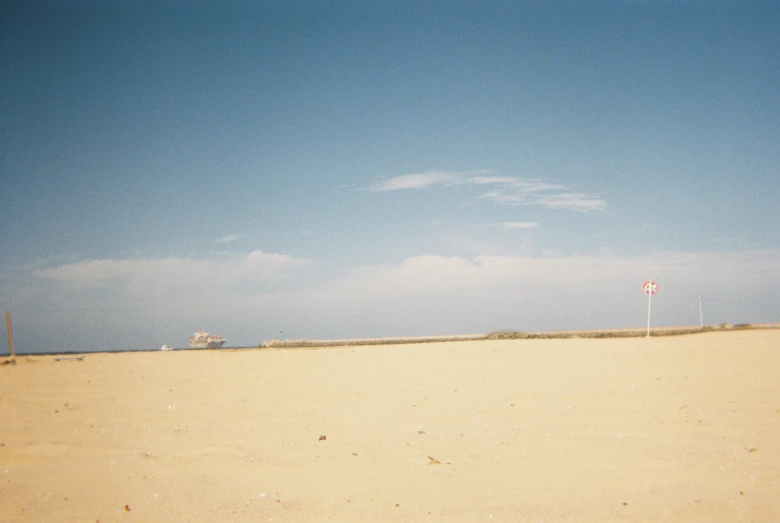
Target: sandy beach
[{"x": 674, "y": 429}]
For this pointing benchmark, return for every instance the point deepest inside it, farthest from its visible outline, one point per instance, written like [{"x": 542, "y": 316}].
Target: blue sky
[{"x": 345, "y": 169}]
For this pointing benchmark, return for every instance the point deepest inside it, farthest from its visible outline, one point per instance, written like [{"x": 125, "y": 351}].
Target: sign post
[{"x": 649, "y": 287}]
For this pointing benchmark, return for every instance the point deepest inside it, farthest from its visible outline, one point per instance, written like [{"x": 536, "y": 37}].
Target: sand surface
[{"x": 671, "y": 429}]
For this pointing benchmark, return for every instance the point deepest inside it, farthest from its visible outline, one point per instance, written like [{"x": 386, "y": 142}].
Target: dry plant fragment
[{"x": 433, "y": 461}]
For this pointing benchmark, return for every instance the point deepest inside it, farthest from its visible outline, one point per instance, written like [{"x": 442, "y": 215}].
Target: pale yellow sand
[{"x": 673, "y": 429}]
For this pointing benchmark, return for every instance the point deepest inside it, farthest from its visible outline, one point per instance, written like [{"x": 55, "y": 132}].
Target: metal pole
[
  {"x": 701, "y": 316},
  {"x": 10, "y": 334},
  {"x": 649, "y": 300}
]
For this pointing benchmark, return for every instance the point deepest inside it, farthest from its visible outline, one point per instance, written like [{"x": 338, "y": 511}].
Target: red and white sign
[{"x": 649, "y": 287}]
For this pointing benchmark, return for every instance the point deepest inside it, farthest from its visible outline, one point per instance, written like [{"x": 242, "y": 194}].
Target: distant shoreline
[
  {"x": 497, "y": 335},
  {"x": 518, "y": 335}
]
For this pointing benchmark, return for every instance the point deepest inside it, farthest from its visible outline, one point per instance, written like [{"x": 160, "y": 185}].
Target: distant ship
[{"x": 204, "y": 340}]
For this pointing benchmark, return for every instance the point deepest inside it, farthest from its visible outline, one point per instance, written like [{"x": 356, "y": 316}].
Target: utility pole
[{"x": 701, "y": 316}]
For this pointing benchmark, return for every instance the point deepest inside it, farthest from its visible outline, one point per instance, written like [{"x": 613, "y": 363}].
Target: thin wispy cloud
[
  {"x": 537, "y": 186},
  {"x": 416, "y": 181},
  {"x": 503, "y": 199},
  {"x": 512, "y": 226},
  {"x": 570, "y": 201},
  {"x": 573, "y": 201},
  {"x": 493, "y": 180},
  {"x": 256, "y": 266},
  {"x": 516, "y": 183},
  {"x": 431, "y": 179},
  {"x": 723, "y": 240},
  {"x": 505, "y": 190},
  {"x": 231, "y": 238},
  {"x": 519, "y": 225}
]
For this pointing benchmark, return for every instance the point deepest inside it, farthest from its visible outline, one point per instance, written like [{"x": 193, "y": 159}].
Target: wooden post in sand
[
  {"x": 10, "y": 334},
  {"x": 701, "y": 316}
]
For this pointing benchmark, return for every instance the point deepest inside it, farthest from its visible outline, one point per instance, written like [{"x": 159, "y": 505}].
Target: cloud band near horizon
[{"x": 96, "y": 303}]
